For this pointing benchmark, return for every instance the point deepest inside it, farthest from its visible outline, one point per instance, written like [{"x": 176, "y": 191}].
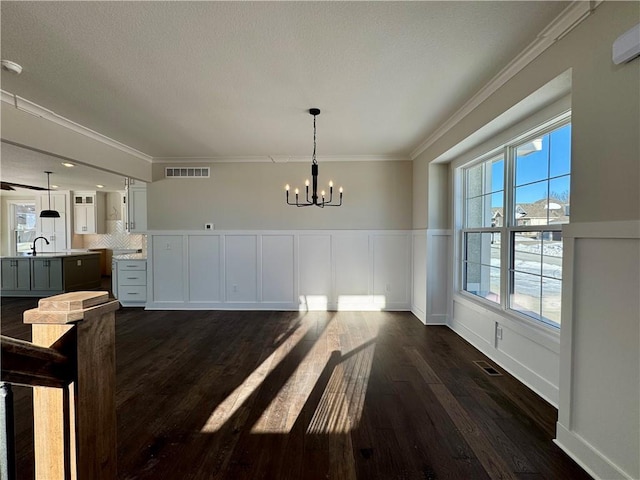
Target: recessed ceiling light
[
  {"x": 54, "y": 186},
  {"x": 68, "y": 164},
  {"x": 100, "y": 186}
]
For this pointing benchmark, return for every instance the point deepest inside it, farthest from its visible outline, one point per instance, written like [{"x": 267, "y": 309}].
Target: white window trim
[{"x": 530, "y": 128}]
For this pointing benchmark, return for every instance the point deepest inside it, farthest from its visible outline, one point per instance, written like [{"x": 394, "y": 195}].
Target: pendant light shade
[{"x": 49, "y": 213}]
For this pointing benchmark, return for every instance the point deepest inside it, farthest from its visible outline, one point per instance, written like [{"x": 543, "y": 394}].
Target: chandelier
[{"x": 317, "y": 200}]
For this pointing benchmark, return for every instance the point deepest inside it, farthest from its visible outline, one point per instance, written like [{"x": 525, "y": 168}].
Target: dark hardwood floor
[{"x": 287, "y": 395}]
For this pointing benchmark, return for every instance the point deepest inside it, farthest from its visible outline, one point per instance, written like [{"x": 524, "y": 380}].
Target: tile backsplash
[{"x": 115, "y": 238}]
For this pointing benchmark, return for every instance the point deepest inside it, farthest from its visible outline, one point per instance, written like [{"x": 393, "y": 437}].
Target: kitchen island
[{"x": 49, "y": 274}]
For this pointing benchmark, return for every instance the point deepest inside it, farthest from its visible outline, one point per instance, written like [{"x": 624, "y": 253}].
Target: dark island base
[{"x": 53, "y": 274}]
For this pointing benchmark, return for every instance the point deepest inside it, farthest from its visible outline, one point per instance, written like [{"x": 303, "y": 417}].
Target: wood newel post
[{"x": 75, "y": 427}]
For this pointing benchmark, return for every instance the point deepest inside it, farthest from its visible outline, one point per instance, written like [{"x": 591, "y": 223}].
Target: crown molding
[
  {"x": 32, "y": 108},
  {"x": 281, "y": 159},
  {"x": 568, "y": 19}
]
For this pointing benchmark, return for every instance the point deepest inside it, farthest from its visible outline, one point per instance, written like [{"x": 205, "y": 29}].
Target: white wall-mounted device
[{"x": 627, "y": 46}]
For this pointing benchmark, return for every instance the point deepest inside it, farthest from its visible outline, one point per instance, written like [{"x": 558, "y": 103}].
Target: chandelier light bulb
[
  {"x": 306, "y": 182},
  {"x": 286, "y": 187},
  {"x": 331, "y": 183},
  {"x": 297, "y": 191},
  {"x": 340, "y": 190},
  {"x": 322, "y": 193}
]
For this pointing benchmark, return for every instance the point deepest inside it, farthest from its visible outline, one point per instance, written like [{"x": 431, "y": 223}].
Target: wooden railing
[
  {"x": 24, "y": 363},
  {"x": 71, "y": 365}
]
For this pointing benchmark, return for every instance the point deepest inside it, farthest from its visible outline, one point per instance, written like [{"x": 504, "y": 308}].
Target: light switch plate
[{"x": 208, "y": 226}]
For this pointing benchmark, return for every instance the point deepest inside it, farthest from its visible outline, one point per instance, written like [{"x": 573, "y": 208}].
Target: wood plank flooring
[{"x": 287, "y": 395}]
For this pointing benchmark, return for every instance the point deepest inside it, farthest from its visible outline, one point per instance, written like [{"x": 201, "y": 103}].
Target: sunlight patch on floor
[
  {"x": 341, "y": 405},
  {"x": 345, "y": 390},
  {"x": 229, "y": 406}
]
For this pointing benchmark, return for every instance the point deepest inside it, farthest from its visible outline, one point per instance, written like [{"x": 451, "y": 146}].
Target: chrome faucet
[{"x": 33, "y": 248}]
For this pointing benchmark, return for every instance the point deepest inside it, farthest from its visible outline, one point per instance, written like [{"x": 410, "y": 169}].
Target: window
[
  {"x": 515, "y": 201},
  {"x": 23, "y": 225}
]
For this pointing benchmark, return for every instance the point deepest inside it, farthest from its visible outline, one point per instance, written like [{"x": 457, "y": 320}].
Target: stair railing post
[{"x": 75, "y": 427}]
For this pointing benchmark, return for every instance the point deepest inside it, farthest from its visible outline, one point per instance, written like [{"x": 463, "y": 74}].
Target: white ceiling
[
  {"x": 27, "y": 167},
  {"x": 235, "y": 79}
]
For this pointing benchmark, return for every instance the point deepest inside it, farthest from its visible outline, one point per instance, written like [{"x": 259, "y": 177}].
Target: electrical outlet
[
  {"x": 167, "y": 246},
  {"x": 235, "y": 289},
  {"x": 209, "y": 226}
]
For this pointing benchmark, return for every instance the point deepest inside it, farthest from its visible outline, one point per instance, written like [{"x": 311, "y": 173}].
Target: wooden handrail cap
[
  {"x": 67, "y": 302},
  {"x": 63, "y": 316}
]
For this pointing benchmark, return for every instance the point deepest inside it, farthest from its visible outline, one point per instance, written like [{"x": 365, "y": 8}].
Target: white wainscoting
[
  {"x": 431, "y": 292},
  {"x": 167, "y": 254},
  {"x": 438, "y": 276},
  {"x": 280, "y": 270},
  {"x": 529, "y": 353},
  {"x": 204, "y": 276},
  {"x": 419, "y": 275},
  {"x": 599, "y": 410}
]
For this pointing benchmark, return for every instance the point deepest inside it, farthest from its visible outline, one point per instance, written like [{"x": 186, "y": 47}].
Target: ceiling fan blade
[{"x": 9, "y": 186}]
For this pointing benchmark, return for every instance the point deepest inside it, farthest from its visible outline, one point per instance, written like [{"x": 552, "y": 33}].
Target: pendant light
[
  {"x": 49, "y": 213},
  {"x": 314, "y": 175}
]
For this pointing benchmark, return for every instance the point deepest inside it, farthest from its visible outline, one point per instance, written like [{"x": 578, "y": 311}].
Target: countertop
[
  {"x": 51, "y": 255},
  {"x": 130, "y": 256}
]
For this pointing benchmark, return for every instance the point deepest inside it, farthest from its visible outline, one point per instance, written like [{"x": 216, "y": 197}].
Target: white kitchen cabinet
[
  {"x": 89, "y": 212},
  {"x": 130, "y": 282},
  {"x": 136, "y": 207},
  {"x": 53, "y": 229}
]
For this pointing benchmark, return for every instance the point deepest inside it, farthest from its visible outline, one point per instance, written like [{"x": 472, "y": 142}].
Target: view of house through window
[
  {"x": 24, "y": 225},
  {"x": 515, "y": 203}
]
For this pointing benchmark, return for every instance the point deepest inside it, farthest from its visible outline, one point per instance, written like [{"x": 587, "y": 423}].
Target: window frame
[{"x": 507, "y": 231}]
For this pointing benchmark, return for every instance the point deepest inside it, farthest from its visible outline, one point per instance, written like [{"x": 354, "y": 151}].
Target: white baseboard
[
  {"x": 419, "y": 314},
  {"x": 437, "y": 319},
  {"x": 587, "y": 456}
]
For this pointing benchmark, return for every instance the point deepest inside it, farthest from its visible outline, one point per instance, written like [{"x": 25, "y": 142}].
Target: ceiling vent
[{"x": 187, "y": 172}]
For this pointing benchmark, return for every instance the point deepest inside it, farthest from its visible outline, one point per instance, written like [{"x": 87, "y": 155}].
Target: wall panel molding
[
  {"x": 599, "y": 407},
  {"x": 281, "y": 270}
]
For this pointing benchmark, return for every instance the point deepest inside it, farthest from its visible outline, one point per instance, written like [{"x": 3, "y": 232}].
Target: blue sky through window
[{"x": 552, "y": 160}]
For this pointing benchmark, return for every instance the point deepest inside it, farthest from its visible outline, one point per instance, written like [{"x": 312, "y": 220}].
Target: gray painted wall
[{"x": 245, "y": 196}]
